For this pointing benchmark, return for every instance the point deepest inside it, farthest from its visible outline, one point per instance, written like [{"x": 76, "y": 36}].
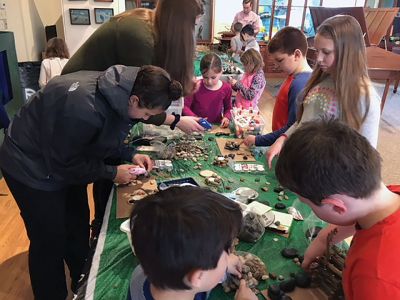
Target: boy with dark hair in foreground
[
  {"x": 182, "y": 238},
  {"x": 337, "y": 173}
]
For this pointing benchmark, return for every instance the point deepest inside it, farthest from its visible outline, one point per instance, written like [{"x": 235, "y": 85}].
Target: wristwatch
[{"x": 177, "y": 119}]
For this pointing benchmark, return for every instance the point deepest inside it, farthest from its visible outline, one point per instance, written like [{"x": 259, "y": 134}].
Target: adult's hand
[
  {"x": 190, "y": 124},
  {"x": 244, "y": 292},
  {"x": 250, "y": 140},
  {"x": 225, "y": 122},
  {"x": 274, "y": 150},
  {"x": 123, "y": 174},
  {"x": 143, "y": 161}
]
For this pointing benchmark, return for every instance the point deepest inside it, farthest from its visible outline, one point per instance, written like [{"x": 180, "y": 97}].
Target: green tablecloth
[{"x": 114, "y": 262}]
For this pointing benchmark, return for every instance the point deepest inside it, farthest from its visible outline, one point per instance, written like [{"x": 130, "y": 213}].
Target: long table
[{"x": 113, "y": 261}]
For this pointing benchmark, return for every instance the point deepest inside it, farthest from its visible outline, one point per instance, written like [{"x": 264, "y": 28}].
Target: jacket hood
[{"x": 115, "y": 84}]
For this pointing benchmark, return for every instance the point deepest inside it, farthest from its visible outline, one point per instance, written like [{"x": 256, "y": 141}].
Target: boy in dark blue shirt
[{"x": 288, "y": 48}]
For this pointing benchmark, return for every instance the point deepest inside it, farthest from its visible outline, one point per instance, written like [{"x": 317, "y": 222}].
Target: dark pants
[
  {"x": 57, "y": 224},
  {"x": 101, "y": 192}
]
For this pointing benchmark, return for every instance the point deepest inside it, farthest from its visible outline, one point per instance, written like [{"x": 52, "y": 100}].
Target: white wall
[
  {"x": 76, "y": 35},
  {"x": 224, "y": 12}
]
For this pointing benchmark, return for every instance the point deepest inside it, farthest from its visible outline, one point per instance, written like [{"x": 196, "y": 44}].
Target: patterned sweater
[{"x": 321, "y": 101}]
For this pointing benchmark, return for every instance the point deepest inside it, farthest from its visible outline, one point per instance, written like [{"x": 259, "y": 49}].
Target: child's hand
[
  {"x": 225, "y": 122},
  {"x": 317, "y": 248},
  {"x": 234, "y": 265},
  {"x": 244, "y": 292},
  {"x": 232, "y": 81},
  {"x": 250, "y": 140},
  {"x": 274, "y": 150}
]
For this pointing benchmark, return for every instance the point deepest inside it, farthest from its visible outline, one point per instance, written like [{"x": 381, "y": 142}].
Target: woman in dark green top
[{"x": 163, "y": 37}]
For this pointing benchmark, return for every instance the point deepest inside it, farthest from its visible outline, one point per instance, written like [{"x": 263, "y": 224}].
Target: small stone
[
  {"x": 278, "y": 189},
  {"x": 265, "y": 189},
  {"x": 280, "y": 277},
  {"x": 280, "y": 198},
  {"x": 280, "y": 206},
  {"x": 231, "y": 180},
  {"x": 275, "y": 239},
  {"x": 264, "y": 277},
  {"x": 241, "y": 179},
  {"x": 281, "y": 193},
  {"x": 181, "y": 170},
  {"x": 296, "y": 260},
  {"x": 288, "y": 285},
  {"x": 272, "y": 276},
  {"x": 274, "y": 290},
  {"x": 257, "y": 180},
  {"x": 289, "y": 252},
  {"x": 286, "y": 197},
  {"x": 303, "y": 280},
  {"x": 267, "y": 183}
]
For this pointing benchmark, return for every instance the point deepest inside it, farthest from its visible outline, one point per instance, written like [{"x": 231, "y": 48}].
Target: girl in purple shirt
[{"x": 213, "y": 98}]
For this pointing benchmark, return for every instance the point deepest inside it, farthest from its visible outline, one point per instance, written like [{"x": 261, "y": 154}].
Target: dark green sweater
[{"x": 128, "y": 41}]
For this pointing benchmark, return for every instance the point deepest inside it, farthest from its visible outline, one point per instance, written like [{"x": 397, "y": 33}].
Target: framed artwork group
[{"x": 81, "y": 16}]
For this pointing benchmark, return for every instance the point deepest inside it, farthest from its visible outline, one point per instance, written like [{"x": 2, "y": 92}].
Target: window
[{"x": 294, "y": 13}]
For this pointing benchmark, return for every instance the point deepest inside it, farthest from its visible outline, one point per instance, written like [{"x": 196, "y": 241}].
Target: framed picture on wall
[
  {"x": 79, "y": 16},
  {"x": 102, "y": 15},
  {"x": 204, "y": 32}
]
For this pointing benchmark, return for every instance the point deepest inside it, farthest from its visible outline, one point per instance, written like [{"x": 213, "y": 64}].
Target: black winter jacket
[{"x": 66, "y": 130}]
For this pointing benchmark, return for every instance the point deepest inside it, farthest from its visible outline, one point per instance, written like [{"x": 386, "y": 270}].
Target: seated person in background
[
  {"x": 248, "y": 17},
  {"x": 56, "y": 57},
  {"x": 288, "y": 48},
  {"x": 337, "y": 172},
  {"x": 236, "y": 42},
  {"x": 213, "y": 98},
  {"x": 252, "y": 84},
  {"x": 248, "y": 37},
  {"x": 182, "y": 238}
]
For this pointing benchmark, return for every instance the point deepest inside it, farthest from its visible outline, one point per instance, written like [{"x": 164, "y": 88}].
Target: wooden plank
[{"x": 379, "y": 21}]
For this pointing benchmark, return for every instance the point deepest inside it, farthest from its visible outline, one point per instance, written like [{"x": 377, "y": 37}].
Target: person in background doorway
[
  {"x": 248, "y": 17},
  {"x": 55, "y": 58}
]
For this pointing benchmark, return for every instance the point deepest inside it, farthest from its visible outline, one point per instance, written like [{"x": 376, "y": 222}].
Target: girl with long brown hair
[{"x": 339, "y": 86}]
